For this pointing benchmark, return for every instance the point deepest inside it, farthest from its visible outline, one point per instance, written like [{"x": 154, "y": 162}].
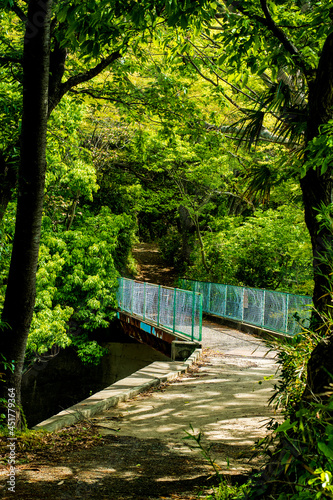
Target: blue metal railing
[
  {"x": 177, "y": 310},
  {"x": 276, "y": 311}
]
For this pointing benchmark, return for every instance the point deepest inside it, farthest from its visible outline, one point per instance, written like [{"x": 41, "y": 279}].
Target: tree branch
[
  {"x": 63, "y": 88},
  {"x": 282, "y": 37},
  {"x": 269, "y": 23},
  {"x": 5, "y": 60},
  {"x": 19, "y": 12},
  {"x": 264, "y": 135}
]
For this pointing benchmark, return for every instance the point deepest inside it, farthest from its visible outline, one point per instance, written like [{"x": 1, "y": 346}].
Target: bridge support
[
  {"x": 181, "y": 350},
  {"x": 175, "y": 346}
]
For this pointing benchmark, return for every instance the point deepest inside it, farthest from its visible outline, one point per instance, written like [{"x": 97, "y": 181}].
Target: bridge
[{"x": 170, "y": 319}]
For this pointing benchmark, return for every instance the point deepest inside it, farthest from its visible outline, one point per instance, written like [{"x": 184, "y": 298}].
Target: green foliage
[
  {"x": 6, "y": 235},
  {"x": 293, "y": 356},
  {"x": 307, "y": 447},
  {"x": 169, "y": 246},
  {"x": 77, "y": 281},
  {"x": 271, "y": 250},
  {"x": 89, "y": 275},
  {"x": 90, "y": 352},
  {"x": 320, "y": 151},
  {"x": 4, "y": 365}
]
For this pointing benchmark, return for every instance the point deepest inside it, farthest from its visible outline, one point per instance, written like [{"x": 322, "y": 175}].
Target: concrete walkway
[
  {"x": 221, "y": 392},
  {"x": 224, "y": 397},
  {"x": 226, "y": 346}
]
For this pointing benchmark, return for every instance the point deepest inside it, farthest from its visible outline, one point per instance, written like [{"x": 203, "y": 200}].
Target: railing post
[
  {"x": 122, "y": 294},
  {"x": 263, "y": 309},
  {"x": 158, "y": 305},
  {"x": 193, "y": 314},
  {"x": 144, "y": 302},
  {"x": 242, "y": 304},
  {"x": 225, "y": 300},
  {"x": 200, "y": 318},
  {"x": 209, "y": 293},
  {"x": 132, "y": 297},
  {"x": 174, "y": 310},
  {"x": 287, "y": 312}
]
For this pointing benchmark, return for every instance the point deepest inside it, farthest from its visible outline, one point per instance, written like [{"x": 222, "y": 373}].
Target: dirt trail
[{"x": 151, "y": 266}]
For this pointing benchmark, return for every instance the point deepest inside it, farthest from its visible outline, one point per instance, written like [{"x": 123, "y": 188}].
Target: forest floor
[{"x": 137, "y": 449}]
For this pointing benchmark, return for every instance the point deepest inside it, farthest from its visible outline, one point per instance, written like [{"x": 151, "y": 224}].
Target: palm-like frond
[
  {"x": 288, "y": 110},
  {"x": 260, "y": 178}
]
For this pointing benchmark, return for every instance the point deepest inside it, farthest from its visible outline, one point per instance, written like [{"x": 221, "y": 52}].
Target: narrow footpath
[{"x": 143, "y": 453}]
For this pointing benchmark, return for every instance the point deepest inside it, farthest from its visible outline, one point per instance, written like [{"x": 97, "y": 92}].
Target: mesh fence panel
[
  {"x": 166, "y": 307},
  {"x": 234, "y": 306},
  {"x": 180, "y": 310},
  {"x": 151, "y": 302},
  {"x": 197, "y": 318},
  {"x": 299, "y": 309},
  {"x": 138, "y": 299},
  {"x": 217, "y": 299},
  {"x": 253, "y": 304},
  {"x": 125, "y": 295},
  {"x": 204, "y": 289},
  {"x": 183, "y": 312},
  {"x": 276, "y": 311}
]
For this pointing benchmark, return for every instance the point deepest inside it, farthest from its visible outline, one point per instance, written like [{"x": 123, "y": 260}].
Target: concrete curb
[
  {"x": 247, "y": 328},
  {"x": 126, "y": 388}
]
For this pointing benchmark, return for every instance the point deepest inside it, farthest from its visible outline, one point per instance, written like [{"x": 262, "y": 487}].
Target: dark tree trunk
[
  {"x": 21, "y": 288},
  {"x": 186, "y": 229},
  {"x": 317, "y": 192}
]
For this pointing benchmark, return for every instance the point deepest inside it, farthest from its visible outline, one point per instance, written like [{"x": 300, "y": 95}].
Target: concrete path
[
  {"x": 142, "y": 454},
  {"x": 224, "y": 396}
]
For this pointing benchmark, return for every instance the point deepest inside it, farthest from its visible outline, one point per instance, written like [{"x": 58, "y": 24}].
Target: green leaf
[
  {"x": 326, "y": 450},
  {"x": 286, "y": 426}
]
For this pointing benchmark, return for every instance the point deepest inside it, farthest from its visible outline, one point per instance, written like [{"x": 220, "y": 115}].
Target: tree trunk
[
  {"x": 317, "y": 189},
  {"x": 21, "y": 288},
  {"x": 186, "y": 229},
  {"x": 317, "y": 192}
]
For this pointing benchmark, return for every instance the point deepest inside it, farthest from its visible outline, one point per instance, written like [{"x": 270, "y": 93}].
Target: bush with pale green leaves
[
  {"x": 270, "y": 249},
  {"x": 77, "y": 282}
]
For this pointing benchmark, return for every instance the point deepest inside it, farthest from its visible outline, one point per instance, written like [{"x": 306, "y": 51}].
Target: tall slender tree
[{"x": 21, "y": 288}]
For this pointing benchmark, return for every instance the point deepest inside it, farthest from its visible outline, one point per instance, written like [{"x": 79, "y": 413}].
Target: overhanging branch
[
  {"x": 5, "y": 60},
  {"x": 76, "y": 80},
  {"x": 19, "y": 12}
]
